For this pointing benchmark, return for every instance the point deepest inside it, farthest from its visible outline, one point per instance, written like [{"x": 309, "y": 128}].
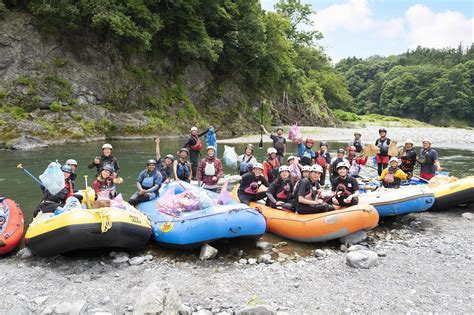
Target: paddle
[
  {"x": 20, "y": 166},
  {"x": 260, "y": 145},
  {"x": 86, "y": 194}
]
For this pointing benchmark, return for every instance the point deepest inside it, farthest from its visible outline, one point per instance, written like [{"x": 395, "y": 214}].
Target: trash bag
[
  {"x": 230, "y": 157},
  {"x": 294, "y": 133},
  {"x": 118, "y": 202},
  {"x": 212, "y": 139},
  {"x": 224, "y": 197},
  {"x": 295, "y": 171},
  {"x": 53, "y": 178}
]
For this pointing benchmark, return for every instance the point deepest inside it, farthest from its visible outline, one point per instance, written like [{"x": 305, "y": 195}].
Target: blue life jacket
[{"x": 183, "y": 171}]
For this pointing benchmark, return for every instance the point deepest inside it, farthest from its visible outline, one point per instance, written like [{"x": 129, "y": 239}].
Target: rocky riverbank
[{"x": 415, "y": 264}]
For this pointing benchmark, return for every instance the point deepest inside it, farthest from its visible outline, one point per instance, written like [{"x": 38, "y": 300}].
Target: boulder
[
  {"x": 257, "y": 310},
  {"x": 468, "y": 215},
  {"x": 137, "y": 260},
  {"x": 207, "y": 252},
  {"x": 264, "y": 245},
  {"x": 364, "y": 259},
  {"x": 70, "y": 308},
  {"x": 354, "y": 238},
  {"x": 265, "y": 259},
  {"x": 159, "y": 299}
]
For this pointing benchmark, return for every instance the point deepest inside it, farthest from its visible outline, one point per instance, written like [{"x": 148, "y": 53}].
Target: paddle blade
[{"x": 260, "y": 145}]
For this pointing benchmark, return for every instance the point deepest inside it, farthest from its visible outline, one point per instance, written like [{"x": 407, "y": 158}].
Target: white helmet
[
  {"x": 342, "y": 164},
  {"x": 283, "y": 168},
  {"x": 271, "y": 150},
  {"x": 317, "y": 168},
  {"x": 427, "y": 140},
  {"x": 393, "y": 159},
  {"x": 71, "y": 162},
  {"x": 409, "y": 141},
  {"x": 107, "y": 146},
  {"x": 291, "y": 157},
  {"x": 211, "y": 147},
  {"x": 258, "y": 165},
  {"x": 306, "y": 168},
  {"x": 194, "y": 128}
]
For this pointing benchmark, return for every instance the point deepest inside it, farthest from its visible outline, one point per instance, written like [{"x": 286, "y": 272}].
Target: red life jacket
[{"x": 197, "y": 146}]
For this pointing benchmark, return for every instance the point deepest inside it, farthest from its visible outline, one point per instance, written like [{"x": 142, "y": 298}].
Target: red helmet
[
  {"x": 309, "y": 140},
  {"x": 351, "y": 148}
]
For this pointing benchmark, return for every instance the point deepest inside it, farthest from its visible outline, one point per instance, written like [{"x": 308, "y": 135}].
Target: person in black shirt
[
  {"x": 279, "y": 142},
  {"x": 408, "y": 157},
  {"x": 193, "y": 142},
  {"x": 307, "y": 196},
  {"x": 429, "y": 161},
  {"x": 105, "y": 159},
  {"x": 382, "y": 158},
  {"x": 250, "y": 183},
  {"x": 345, "y": 187},
  {"x": 280, "y": 192}
]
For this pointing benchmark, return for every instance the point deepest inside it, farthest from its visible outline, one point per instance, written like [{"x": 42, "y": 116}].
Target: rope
[{"x": 106, "y": 222}]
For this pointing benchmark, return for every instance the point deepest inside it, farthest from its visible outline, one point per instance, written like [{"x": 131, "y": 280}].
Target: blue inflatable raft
[
  {"x": 217, "y": 217},
  {"x": 389, "y": 202}
]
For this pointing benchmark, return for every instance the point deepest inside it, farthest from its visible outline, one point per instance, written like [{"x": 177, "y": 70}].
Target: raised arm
[
  {"x": 158, "y": 153},
  {"x": 265, "y": 131}
]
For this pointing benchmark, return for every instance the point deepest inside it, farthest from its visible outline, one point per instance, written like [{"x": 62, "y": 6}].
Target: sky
[{"x": 364, "y": 28}]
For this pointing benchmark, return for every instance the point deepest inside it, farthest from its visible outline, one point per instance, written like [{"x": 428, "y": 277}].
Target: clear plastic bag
[
  {"x": 53, "y": 178},
  {"x": 230, "y": 157}
]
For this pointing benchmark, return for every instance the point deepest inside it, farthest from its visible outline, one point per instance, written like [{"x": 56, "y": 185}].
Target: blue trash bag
[
  {"x": 212, "y": 139},
  {"x": 53, "y": 178}
]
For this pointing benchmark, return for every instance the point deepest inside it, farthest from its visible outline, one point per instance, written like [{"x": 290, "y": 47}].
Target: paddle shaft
[
  {"x": 29, "y": 174},
  {"x": 260, "y": 145}
]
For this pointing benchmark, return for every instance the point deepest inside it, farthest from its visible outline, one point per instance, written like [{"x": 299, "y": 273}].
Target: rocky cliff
[{"x": 59, "y": 89}]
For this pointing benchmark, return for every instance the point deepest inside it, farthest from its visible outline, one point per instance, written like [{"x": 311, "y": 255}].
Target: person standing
[
  {"x": 357, "y": 142},
  {"x": 429, "y": 161},
  {"x": 193, "y": 142},
  {"x": 323, "y": 159},
  {"x": 382, "y": 157},
  {"x": 106, "y": 159},
  {"x": 408, "y": 157},
  {"x": 210, "y": 170},
  {"x": 279, "y": 142}
]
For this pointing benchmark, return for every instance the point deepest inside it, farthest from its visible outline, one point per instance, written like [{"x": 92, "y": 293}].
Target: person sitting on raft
[
  {"x": 271, "y": 165},
  {"x": 339, "y": 158},
  {"x": 72, "y": 179},
  {"x": 280, "y": 192},
  {"x": 106, "y": 181},
  {"x": 148, "y": 184},
  {"x": 104, "y": 159},
  {"x": 305, "y": 151},
  {"x": 250, "y": 184},
  {"x": 307, "y": 196},
  {"x": 279, "y": 142},
  {"x": 429, "y": 161},
  {"x": 164, "y": 166},
  {"x": 304, "y": 174},
  {"x": 345, "y": 187},
  {"x": 181, "y": 167},
  {"x": 392, "y": 176},
  {"x": 408, "y": 157},
  {"x": 247, "y": 160},
  {"x": 51, "y": 202},
  {"x": 210, "y": 170}
]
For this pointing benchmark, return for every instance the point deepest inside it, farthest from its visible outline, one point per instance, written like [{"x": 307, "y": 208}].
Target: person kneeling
[
  {"x": 280, "y": 192},
  {"x": 250, "y": 183},
  {"x": 106, "y": 181},
  {"x": 148, "y": 183},
  {"x": 392, "y": 176},
  {"x": 345, "y": 187},
  {"x": 307, "y": 197}
]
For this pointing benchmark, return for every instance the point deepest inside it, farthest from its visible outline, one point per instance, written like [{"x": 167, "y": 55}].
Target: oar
[
  {"x": 20, "y": 166},
  {"x": 260, "y": 145},
  {"x": 86, "y": 193}
]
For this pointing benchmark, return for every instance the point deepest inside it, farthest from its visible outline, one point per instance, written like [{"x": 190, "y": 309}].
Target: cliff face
[{"x": 63, "y": 88}]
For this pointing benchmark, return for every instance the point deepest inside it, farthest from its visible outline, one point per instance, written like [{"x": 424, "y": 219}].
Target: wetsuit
[
  {"x": 408, "y": 161},
  {"x": 166, "y": 170},
  {"x": 358, "y": 144},
  {"x": 107, "y": 184},
  {"x": 249, "y": 185},
  {"x": 270, "y": 169}
]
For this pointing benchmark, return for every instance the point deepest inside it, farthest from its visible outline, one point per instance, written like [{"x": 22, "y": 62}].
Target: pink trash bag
[
  {"x": 295, "y": 171},
  {"x": 294, "y": 133}
]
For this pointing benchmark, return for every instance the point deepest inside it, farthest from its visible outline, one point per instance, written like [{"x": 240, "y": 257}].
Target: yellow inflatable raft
[{"x": 452, "y": 192}]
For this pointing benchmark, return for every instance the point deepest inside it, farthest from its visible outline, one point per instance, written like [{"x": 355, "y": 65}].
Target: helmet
[
  {"x": 306, "y": 168},
  {"x": 211, "y": 147},
  {"x": 151, "y": 161},
  {"x": 382, "y": 130},
  {"x": 249, "y": 146},
  {"x": 392, "y": 159},
  {"x": 409, "y": 141},
  {"x": 71, "y": 162},
  {"x": 341, "y": 151},
  {"x": 427, "y": 140},
  {"x": 342, "y": 164},
  {"x": 351, "y": 148},
  {"x": 107, "y": 146},
  {"x": 194, "y": 128},
  {"x": 309, "y": 140},
  {"x": 183, "y": 149},
  {"x": 271, "y": 151},
  {"x": 108, "y": 167},
  {"x": 66, "y": 168},
  {"x": 283, "y": 168},
  {"x": 258, "y": 165},
  {"x": 323, "y": 143},
  {"x": 316, "y": 168},
  {"x": 291, "y": 157},
  {"x": 357, "y": 133},
  {"x": 169, "y": 156}
]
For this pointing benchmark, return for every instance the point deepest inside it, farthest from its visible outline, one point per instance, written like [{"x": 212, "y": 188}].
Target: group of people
[{"x": 296, "y": 186}]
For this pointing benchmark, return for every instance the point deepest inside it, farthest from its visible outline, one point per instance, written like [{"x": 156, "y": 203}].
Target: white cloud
[{"x": 437, "y": 30}]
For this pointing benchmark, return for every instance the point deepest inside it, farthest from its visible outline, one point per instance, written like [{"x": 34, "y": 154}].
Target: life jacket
[
  {"x": 341, "y": 189},
  {"x": 307, "y": 156},
  {"x": 312, "y": 194},
  {"x": 183, "y": 171},
  {"x": 285, "y": 191},
  {"x": 149, "y": 180},
  {"x": 198, "y": 145},
  {"x": 167, "y": 171},
  {"x": 321, "y": 160},
  {"x": 357, "y": 145},
  {"x": 273, "y": 173},
  {"x": 425, "y": 157},
  {"x": 107, "y": 184},
  {"x": 210, "y": 169},
  {"x": 244, "y": 165},
  {"x": 383, "y": 146}
]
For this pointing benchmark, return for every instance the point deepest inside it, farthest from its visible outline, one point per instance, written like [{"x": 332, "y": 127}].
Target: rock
[
  {"x": 381, "y": 254},
  {"x": 362, "y": 259},
  {"x": 138, "y": 260},
  {"x": 70, "y": 308},
  {"x": 354, "y": 238},
  {"x": 149, "y": 257},
  {"x": 26, "y": 143},
  {"x": 443, "y": 249},
  {"x": 237, "y": 252},
  {"x": 252, "y": 261},
  {"x": 17, "y": 310},
  {"x": 24, "y": 253},
  {"x": 257, "y": 310},
  {"x": 356, "y": 247},
  {"x": 121, "y": 259},
  {"x": 243, "y": 261},
  {"x": 49, "y": 309},
  {"x": 319, "y": 253},
  {"x": 468, "y": 215},
  {"x": 264, "y": 245},
  {"x": 159, "y": 299},
  {"x": 203, "y": 312},
  {"x": 40, "y": 300},
  {"x": 280, "y": 244},
  {"x": 265, "y": 259},
  {"x": 207, "y": 252},
  {"x": 343, "y": 248}
]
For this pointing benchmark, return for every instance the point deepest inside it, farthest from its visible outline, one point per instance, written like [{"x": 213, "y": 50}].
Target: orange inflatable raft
[{"x": 319, "y": 227}]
